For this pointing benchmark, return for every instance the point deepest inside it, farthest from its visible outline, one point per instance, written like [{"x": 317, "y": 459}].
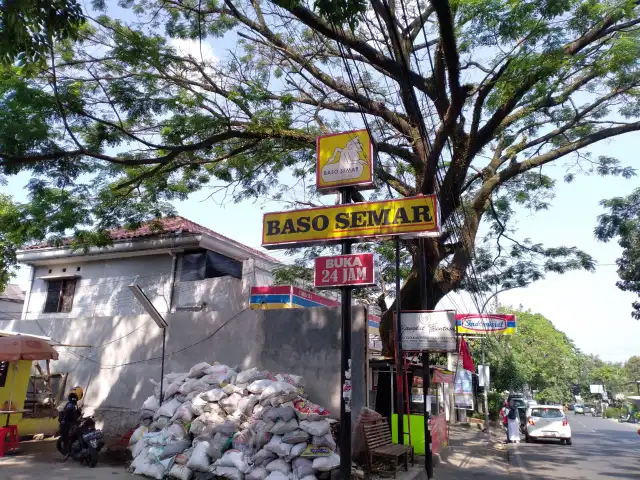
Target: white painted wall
[{"x": 10, "y": 309}]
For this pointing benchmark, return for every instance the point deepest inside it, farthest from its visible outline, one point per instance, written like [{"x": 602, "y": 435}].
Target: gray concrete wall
[{"x": 125, "y": 352}]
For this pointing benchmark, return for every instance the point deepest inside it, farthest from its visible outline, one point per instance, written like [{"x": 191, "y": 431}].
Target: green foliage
[
  {"x": 632, "y": 368},
  {"x": 611, "y": 413},
  {"x": 496, "y": 401},
  {"x": 622, "y": 221},
  {"x": 29, "y": 28},
  {"x": 539, "y": 356},
  {"x": 128, "y": 121}
]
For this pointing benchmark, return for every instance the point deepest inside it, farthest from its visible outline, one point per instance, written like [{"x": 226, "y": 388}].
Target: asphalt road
[{"x": 602, "y": 449}]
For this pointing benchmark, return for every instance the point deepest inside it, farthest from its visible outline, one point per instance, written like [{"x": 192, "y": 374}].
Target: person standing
[{"x": 513, "y": 423}]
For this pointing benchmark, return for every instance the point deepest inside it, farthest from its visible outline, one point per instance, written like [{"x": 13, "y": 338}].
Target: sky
[{"x": 588, "y": 307}]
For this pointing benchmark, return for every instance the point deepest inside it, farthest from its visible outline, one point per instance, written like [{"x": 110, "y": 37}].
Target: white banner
[
  {"x": 483, "y": 376},
  {"x": 463, "y": 390},
  {"x": 435, "y": 331}
]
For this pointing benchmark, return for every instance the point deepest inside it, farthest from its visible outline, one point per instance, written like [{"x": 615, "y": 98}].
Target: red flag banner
[{"x": 467, "y": 361}]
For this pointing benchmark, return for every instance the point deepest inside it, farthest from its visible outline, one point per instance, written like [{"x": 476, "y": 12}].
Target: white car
[{"x": 549, "y": 422}]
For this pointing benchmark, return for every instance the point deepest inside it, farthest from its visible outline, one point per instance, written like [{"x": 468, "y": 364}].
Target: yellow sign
[
  {"x": 408, "y": 217},
  {"x": 344, "y": 159}
]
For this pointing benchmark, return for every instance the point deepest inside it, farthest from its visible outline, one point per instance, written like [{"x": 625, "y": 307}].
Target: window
[
  {"x": 207, "y": 264},
  {"x": 60, "y": 296},
  {"x": 547, "y": 413}
]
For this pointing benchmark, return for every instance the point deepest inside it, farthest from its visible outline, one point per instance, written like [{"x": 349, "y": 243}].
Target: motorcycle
[{"x": 85, "y": 442}]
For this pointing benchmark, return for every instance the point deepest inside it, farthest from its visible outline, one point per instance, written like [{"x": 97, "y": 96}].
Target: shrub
[
  {"x": 612, "y": 413},
  {"x": 495, "y": 404}
]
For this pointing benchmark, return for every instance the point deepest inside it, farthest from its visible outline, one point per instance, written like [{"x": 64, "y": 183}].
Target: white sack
[
  {"x": 180, "y": 472},
  {"x": 168, "y": 409},
  {"x": 296, "y": 451},
  {"x": 276, "y": 388},
  {"x": 151, "y": 403},
  {"x": 199, "y": 460},
  {"x": 277, "y": 476},
  {"x": 316, "y": 427},
  {"x": 246, "y": 404},
  {"x": 150, "y": 468},
  {"x": 137, "y": 434},
  {"x": 259, "y": 386},
  {"x": 257, "y": 473},
  {"x": 228, "y": 472},
  {"x": 234, "y": 458},
  {"x": 247, "y": 376},
  {"x": 282, "y": 427},
  {"x": 276, "y": 446},
  {"x": 297, "y": 436},
  {"x": 325, "y": 440},
  {"x": 183, "y": 414},
  {"x": 198, "y": 370},
  {"x": 263, "y": 457},
  {"x": 213, "y": 395},
  {"x": 137, "y": 448},
  {"x": 325, "y": 464},
  {"x": 279, "y": 413},
  {"x": 230, "y": 404},
  {"x": 279, "y": 465},
  {"x": 302, "y": 467}
]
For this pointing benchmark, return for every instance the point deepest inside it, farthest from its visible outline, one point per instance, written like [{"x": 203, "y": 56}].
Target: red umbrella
[{"x": 19, "y": 347}]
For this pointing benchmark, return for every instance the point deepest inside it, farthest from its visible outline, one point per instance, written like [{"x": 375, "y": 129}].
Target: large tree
[
  {"x": 468, "y": 100},
  {"x": 539, "y": 356},
  {"x": 30, "y": 28},
  {"x": 622, "y": 221}
]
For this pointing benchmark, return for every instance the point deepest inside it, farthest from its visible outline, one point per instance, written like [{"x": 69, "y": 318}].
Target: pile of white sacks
[{"x": 215, "y": 422}]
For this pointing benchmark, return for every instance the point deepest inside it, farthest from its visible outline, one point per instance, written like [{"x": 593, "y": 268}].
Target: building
[
  {"x": 11, "y": 302},
  {"x": 180, "y": 265},
  {"x": 197, "y": 279}
]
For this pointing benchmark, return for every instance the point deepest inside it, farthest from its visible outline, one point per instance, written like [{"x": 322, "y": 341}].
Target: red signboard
[
  {"x": 439, "y": 438},
  {"x": 345, "y": 270}
]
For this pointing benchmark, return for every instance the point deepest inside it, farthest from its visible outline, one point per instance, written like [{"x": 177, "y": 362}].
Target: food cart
[{"x": 29, "y": 393}]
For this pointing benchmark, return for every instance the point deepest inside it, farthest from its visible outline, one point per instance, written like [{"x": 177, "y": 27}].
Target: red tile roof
[{"x": 164, "y": 226}]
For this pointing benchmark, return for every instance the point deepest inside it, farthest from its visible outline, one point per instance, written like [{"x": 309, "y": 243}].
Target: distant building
[{"x": 11, "y": 302}]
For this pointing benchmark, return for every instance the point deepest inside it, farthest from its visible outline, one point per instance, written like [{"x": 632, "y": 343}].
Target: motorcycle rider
[{"x": 70, "y": 415}]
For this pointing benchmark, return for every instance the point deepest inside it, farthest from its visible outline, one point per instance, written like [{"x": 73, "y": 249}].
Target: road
[{"x": 602, "y": 450}]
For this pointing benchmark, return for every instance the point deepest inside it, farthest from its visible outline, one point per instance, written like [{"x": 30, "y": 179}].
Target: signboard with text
[
  {"x": 428, "y": 330},
  {"x": 405, "y": 217},
  {"x": 344, "y": 270},
  {"x": 463, "y": 389},
  {"x": 487, "y": 324},
  {"x": 344, "y": 160}
]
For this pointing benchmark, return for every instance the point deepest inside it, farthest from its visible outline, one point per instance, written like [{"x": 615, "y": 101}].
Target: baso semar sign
[
  {"x": 428, "y": 330},
  {"x": 344, "y": 160},
  {"x": 488, "y": 324},
  {"x": 406, "y": 217}
]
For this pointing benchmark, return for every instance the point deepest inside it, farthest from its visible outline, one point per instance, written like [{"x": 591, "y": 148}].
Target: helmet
[{"x": 77, "y": 392}]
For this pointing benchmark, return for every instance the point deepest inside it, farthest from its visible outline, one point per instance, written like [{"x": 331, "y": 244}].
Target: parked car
[
  {"x": 549, "y": 422},
  {"x": 578, "y": 409},
  {"x": 570, "y": 407}
]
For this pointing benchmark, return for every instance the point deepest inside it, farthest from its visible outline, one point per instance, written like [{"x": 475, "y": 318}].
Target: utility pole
[
  {"x": 345, "y": 364},
  {"x": 426, "y": 365}
]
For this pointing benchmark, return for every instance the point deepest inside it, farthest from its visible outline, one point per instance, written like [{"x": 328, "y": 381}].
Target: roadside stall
[
  {"x": 28, "y": 403},
  {"x": 384, "y": 380}
]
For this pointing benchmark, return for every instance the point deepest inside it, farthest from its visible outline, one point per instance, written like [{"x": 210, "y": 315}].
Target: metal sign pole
[
  {"x": 426, "y": 374},
  {"x": 345, "y": 365},
  {"x": 399, "y": 370}
]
